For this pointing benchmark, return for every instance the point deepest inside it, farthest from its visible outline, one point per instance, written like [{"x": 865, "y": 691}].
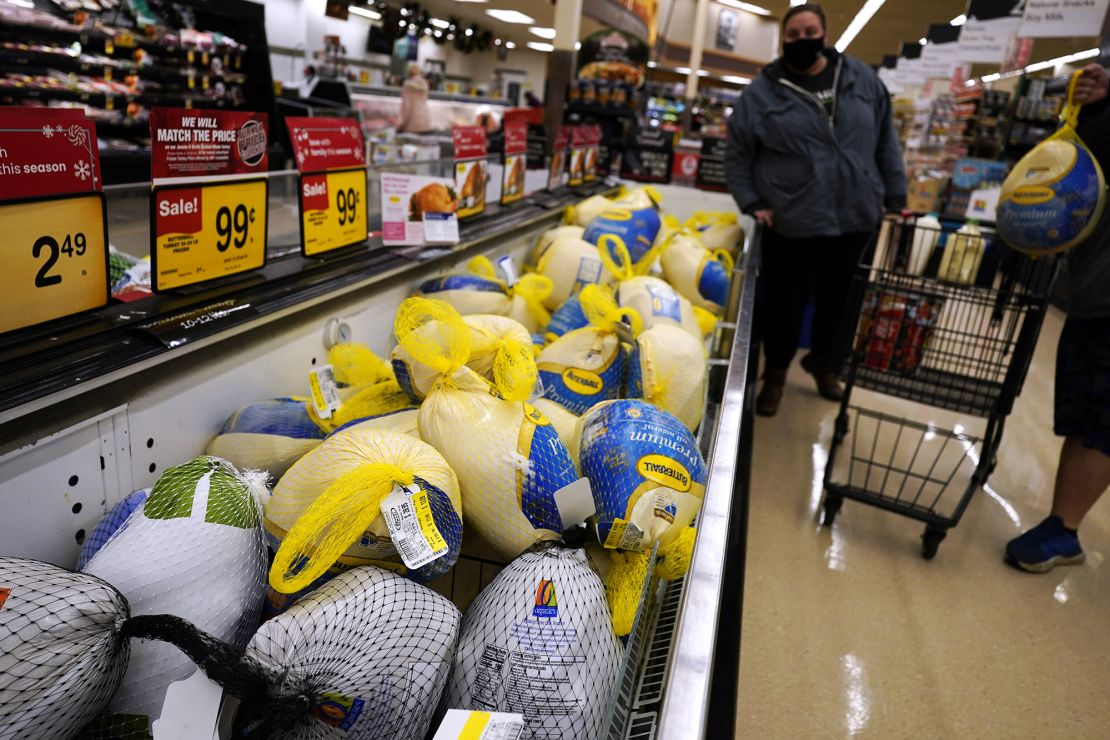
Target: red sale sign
[
  {"x": 47, "y": 152},
  {"x": 470, "y": 142},
  {"x": 202, "y": 143},
  {"x": 314, "y": 192},
  {"x": 326, "y": 143}
]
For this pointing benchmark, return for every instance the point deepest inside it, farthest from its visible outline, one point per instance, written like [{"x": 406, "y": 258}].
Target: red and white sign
[
  {"x": 558, "y": 158},
  {"x": 470, "y": 142},
  {"x": 47, "y": 151},
  {"x": 685, "y": 164},
  {"x": 193, "y": 143},
  {"x": 326, "y": 143},
  {"x": 514, "y": 162}
]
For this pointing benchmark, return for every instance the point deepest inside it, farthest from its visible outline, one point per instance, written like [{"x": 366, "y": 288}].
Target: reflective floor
[{"x": 848, "y": 632}]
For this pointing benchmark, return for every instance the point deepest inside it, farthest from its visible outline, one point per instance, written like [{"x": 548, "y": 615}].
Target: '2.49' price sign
[
  {"x": 333, "y": 210},
  {"x": 55, "y": 258},
  {"x": 205, "y": 232}
]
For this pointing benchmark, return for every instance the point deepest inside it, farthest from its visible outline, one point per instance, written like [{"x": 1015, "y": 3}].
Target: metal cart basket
[{"x": 948, "y": 318}]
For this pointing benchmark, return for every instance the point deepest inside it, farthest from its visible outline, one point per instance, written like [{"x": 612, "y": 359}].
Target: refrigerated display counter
[{"x": 96, "y": 407}]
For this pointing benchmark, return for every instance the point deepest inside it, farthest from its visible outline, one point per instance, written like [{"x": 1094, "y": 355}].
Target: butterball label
[
  {"x": 664, "y": 471},
  {"x": 582, "y": 382}
]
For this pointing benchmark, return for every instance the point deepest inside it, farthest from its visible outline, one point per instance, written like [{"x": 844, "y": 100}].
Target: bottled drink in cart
[
  {"x": 962, "y": 257},
  {"x": 926, "y": 231}
]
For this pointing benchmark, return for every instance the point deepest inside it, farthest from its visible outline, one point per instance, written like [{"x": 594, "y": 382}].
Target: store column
[
  {"x": 697, "y": 46},
  {"x": 560, "y": 65}
]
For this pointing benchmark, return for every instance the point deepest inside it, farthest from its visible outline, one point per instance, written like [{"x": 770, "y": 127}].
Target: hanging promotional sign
[
  {"x": 985, "y": 42},
  {"x": 514, "y": 161},
  {"x": 209, "y": 205},
  {"x": 52, "y": 209},
  {"x": 613, "y": 56},
  {"x": 1051, "y": 18},
  {"x": 331, "y": 157},
  {"x": 471, "y": 169}
]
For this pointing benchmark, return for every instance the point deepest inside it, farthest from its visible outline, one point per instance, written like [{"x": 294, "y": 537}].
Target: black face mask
[{"x": 802, "y": 54}]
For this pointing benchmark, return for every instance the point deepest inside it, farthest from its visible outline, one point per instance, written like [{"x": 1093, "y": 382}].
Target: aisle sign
[
  {"x": 209, "y": 205},
  {"x": 470, "y": 169},
  {"x": 55, "y": 245},
  {"x": 648, "y": 155},
  {"x": 331, "y": 157},
  {"x": 514, "y": 161},
  {"x": 986, "y": 41},
  {"x": 1052, "y": 18},
  {"x": 711, "y": 165}
]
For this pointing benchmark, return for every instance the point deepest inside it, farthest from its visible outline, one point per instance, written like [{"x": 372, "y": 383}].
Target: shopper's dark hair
[{"x": 814, "y": 8}]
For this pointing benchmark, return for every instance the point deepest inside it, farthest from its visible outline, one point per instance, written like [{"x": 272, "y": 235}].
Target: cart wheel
[
  {"x": 930, "y": 541},
  {"x": 831, "y": 509}
]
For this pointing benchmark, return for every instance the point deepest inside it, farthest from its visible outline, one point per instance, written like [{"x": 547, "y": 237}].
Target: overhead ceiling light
[
  {"x": 1068, "y": 59},
  {"x": 862, "y": 18},
  {"x": 540, "y": 46},
  {"x": 923, "y": 41},
  {"x": 653, "y": 65},
  {"x": 792, "y": 4},
  {"x": 440, "y": 23},
  {"x": 702, "y": 73},
  {"x": 471, "y": 1},
  {"x": 470, "y": 32},
  {"x": 22, "y": 3},
  {"x": 365, "y": 12},
  {"x": 990, "y": 77},
  {"x": 745, "y": 6},
  {"x": 739, "y": 80},
  {"x": 510, "y": 16},
  {"x": 402, "y": 24},
  {"x": 577, "y": 45},
  {"x": 958, "y": 20},
  {"x": 510, "y": 45},
  {"x": 682, "y": 70},
  {"x": 543, "y": 33}
]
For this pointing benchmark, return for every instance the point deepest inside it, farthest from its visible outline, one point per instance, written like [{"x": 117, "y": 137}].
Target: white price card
[
  {"x": 408, "y": 514},
  {"x": 464, "y": 724},
  {"x": 575, "y": 502},
  {"x": 508, "y": 269},
  {"x": 325, "y": 392},
  {"x": 441, "y": 228}
]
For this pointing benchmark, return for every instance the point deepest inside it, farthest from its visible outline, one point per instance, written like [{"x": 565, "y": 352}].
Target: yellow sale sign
[
  {"x": 55, "y": 259},
  {"x": 333, "y": 210},
  {"x": 207, "y": 231}
]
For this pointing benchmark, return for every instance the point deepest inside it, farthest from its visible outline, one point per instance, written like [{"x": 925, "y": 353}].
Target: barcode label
[
  {"x": 509, "y": 270},
  {"x": 325, "y": 394},
  {"x": 412, "y": 528}
]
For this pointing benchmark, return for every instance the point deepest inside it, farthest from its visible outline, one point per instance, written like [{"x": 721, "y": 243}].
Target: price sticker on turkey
[
  {"x": 333, "y": 210},
  {"x": 206, "y": 232},
  {"x": 55, "y": 259}
]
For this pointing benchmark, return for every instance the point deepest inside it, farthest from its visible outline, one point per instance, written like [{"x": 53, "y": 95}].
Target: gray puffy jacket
[{"x": 821, "y": 176}]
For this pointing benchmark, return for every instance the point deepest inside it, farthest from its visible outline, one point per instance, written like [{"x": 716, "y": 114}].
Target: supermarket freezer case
[{"x": 104, "y": 406}]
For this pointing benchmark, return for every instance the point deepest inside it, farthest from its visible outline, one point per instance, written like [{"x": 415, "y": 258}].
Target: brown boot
[
  {"x": 770, "y": 395},
  {"x": 827, "y": 384}
]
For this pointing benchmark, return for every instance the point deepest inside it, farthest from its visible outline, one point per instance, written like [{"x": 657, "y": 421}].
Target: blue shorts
[{"x": 1083, "y": 382}]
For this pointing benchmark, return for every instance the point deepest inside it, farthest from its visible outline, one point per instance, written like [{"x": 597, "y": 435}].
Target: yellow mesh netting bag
[
  {"x": 628, "y": 571},
  {"x": 327, "y": 508},
  {"x": 507, "y": 455},
  {"x": 547, "y": 238},
  {"x": 570, "y": 263},
  {"x": 655, "y": 300},
  {"x": 717, "y": 230},
  {"x": 371, "y": 388},
  {"x": 700, "y": 275},
  {"x": 668, "y": 368},
  {"x": 586, "y": 366}
]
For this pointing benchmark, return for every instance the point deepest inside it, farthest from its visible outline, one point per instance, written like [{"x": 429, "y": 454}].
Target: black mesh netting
[
  {"x": 61, "y": 653},
  {"x": 539, "y": 641},
  {"x": 365, "y": 656}
]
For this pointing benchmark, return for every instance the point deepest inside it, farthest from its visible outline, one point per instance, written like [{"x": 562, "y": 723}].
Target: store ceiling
[
  {"x": 895, "y": 22},
  {"x": 908, "y": 20}
]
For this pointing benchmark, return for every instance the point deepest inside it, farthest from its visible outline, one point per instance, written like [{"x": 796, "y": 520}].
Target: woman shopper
[
  {"x": 812, "y": 155},
  {"x": 414, "y": 102}
]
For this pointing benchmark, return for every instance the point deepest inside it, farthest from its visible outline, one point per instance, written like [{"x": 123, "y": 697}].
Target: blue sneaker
[{"x": 1045, "y": 546}]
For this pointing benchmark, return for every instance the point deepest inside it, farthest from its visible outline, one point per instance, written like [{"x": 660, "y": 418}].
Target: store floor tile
[{"x": 848, "y": 632}]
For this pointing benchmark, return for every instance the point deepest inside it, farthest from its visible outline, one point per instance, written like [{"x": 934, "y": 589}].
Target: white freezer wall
[{"x": 54, "y": 491}]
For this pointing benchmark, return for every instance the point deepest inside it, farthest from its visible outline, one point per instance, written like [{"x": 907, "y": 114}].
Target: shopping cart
[{"x": 948, "y": 318}]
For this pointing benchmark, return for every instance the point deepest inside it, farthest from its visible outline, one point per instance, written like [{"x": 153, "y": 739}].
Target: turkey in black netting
[
  {"x": 370, "y": 650},
  {"x": 539, "y": 641},
  {"x": 62, "y": 654}
]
